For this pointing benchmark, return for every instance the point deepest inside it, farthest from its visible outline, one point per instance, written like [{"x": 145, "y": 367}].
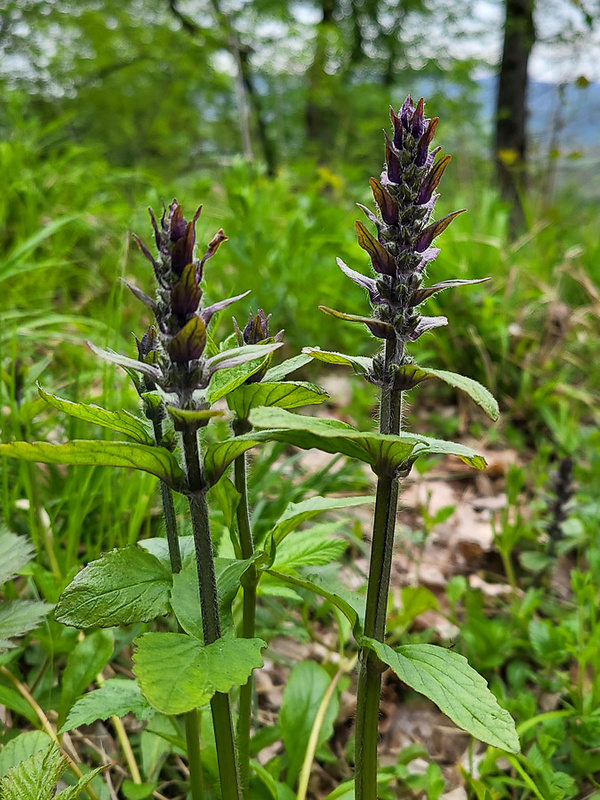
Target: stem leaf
[
  {"x": 359, "y": 364},
  {"x": 446, "y": 678},
  {"x": 120, "y": 588},
  {"x": 121, "y": 421},
  {"x": 478, "y": 393},
  {"x": 281, "y": 371},
  {"x": 225, "y": 381},
  {"x": 155, "y": 460},
  {"x": 297, "y": 513},
  {"x": 177, "y": 673},
  {"x": 290, "y": 394},
  {"x": 218, "y": 456}
]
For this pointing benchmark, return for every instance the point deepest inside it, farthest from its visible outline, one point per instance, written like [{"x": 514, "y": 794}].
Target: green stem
[
  {"x": 221, "y": 711},
  {"x": 192, "y": 738},
  {"x": 192, "y": 731},
  {"x": 384, "y": 524},
  {"x": 249, "y": 585}
]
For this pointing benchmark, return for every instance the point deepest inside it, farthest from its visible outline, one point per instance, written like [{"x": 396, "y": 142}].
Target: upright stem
[
  {"x": 192, "y": 728},
  {"x": 221, "y": 710},
  {"x": 249, "y": 584},
  {"x": 384, "y": 523}
]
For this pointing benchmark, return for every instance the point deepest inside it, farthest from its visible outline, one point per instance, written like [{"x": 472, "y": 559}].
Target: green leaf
[
  {"x": 359, "y": 364},
  {"x": 351, "y": 604},
  {"x": 155, "y": 460},
  {"x": 122, "y": 587},
  {"x": 118, "y": 697},
  {"x": 302, "y": 696},
  {"x": 12, "y": 699},
  {"x": 15, "y": 553},
  {"x": 121, "y": 421},
  {"x": 74, "y": 791},
  {"x": 281, "y": 371},
  {"x": 185, "y": 594},
  {"x": 225, "y": 381},
  {"x": 443, "y": 448},
  {"x": 297, "y": 513},
  {"x": 18, "y": 617},
  {"x": 87, "y": 659},
  {"x": 383, "y": 453},
  {"x": 138, "y": 791},
  {"x": 277, "y": 790},
  {"x": 228, "y": 499},
  {"x": 446, "y": 678},
  {"x": 177, "y": 673},
  {"x": 478, "y": 393},
  {"x": 22, "y": 747},
  {"x": 36, "y": 777},
  {"x": 218, "y": 456},
  {"x": 280, "y": 395},
  {"x": 312, "y": 547}
]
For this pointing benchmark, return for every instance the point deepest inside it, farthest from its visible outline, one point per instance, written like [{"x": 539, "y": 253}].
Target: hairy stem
[
  {"x": 192, "y": 738},
  {"x": 220, "y": 707},
  {"x": 249, "y": 584},
  {"x": 384, "y": 524}
]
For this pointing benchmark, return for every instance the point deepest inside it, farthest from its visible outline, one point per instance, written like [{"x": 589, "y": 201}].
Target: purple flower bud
[
  {"x": 429, "y": 234},
  {"x": 394, "y": 166},
  {"x": 432, "y": 179},
  {"x": 382, "y": 260},
  {"x": 189, "y": 343}
]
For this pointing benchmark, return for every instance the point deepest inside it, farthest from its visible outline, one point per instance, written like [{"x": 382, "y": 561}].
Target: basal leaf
[
  {"x": 71, "y": 792},
  {"x": 360, "y": 364},
  {"x": 15, "y": 553},
  {"x": 12, "y": 699},
  {"x": 478, "y": 393},
  {"x": 297, "y": 513},
  {"x": 177, "y": 673},
  {"x": 18, "y": 617},
  {"x": 285, "y": 394},
  {"x": 121, "y": 421},
  {"x": 155, "y": 460},
  {"x": 118, "y": 697},
  {"x": 122, "y": 587},
  {"x": 446, "y": 678},
  {"x": 383, "y": 453}
]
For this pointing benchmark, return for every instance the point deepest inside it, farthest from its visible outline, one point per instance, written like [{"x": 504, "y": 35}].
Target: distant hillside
[{"x": 577, "y": 111}]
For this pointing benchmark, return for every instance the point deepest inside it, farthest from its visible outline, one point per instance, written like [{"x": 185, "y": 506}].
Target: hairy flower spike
[{"x": 405, "y": 197}]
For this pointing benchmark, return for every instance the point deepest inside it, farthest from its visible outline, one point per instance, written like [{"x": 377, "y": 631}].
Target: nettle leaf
[
  {"x": 281, "y": 395},
  {"x": 360, "y": 364},
  {"x": 159, "y": 547},
  {"x": 313, "y": 547},
  {"x": 122, "y": 587},
  {"x": 34, "y": 778},
  {"x": 118, "y": 697},
  {"x": 446, "y": 678},
  {"x": 86, "y": 660},
  {"x": 15, "y": 553},
  {"x": 185, "y": 594},
  {"x": 177, "y": 673},
  {"x": 155, "y": 460},
  {"x": 121, "y": 421},
  {"x": 18, "y": 617},
  {"x": 351, "y": 604},
  {"x": 281, "y": 371},
  {"x": 225, "y": 381},
  {"x": 297, "y": 513},
  {"x": 383, "y": 453},
  {"x": 478, "y": 393},
  {"x": 302, "y": 696}
]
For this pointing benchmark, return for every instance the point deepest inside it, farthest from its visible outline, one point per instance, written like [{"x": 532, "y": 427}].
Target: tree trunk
[{"x": 510, "y": 146}]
